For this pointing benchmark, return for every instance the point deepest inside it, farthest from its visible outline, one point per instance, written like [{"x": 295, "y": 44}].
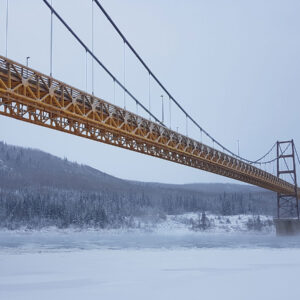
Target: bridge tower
[{"x": 287, "y": 204}]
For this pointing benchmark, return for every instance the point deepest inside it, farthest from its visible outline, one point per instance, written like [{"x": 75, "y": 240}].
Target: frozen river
[
  {"x": 92, "y": 265},
  {"x": 17, "y": 241}
]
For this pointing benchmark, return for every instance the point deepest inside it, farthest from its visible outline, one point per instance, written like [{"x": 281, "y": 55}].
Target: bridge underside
[{"x": 30, "y": 96}]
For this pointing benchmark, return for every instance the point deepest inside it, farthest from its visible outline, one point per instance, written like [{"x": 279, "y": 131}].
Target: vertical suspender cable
[
  {"x": 6, "y": 29},
  {"x": 114, "y": 92},
  {"x": 51, "y": 41},
  {"x": 162, "y": 108},
  {"x": 186, "y": 125},
  {"x": 86, "y": 71},
  {"x": 170, "y": 113},
  {"x": 150, "y": 95},
  {"x": 93, "y": 46},
  {"x": 124, "y": 72},
  {"x": 201, "y": 135}
]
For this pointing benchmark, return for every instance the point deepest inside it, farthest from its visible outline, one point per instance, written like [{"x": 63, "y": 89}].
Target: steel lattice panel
[{"x": 30, "y": 96}]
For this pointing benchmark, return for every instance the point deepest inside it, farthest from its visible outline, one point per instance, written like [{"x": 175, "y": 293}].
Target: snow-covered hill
[{"x": 40, "y": 190}]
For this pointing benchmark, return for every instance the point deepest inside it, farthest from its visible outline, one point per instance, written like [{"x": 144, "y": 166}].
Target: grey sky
[{"x": 234, "y": 65}]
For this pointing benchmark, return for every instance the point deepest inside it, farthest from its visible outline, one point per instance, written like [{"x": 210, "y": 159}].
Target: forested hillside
[{"x": 38, "y": 189}]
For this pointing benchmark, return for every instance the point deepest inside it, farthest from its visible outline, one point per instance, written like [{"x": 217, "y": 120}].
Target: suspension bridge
[{"x": 31, "y": 96}]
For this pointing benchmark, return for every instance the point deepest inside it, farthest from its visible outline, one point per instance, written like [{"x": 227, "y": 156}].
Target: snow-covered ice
[
  {"x": 168, "y": 261},
  {"x": 239, "y": 274}
]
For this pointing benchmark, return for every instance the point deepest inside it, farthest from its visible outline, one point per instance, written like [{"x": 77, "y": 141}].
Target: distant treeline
[{"x": 36, "y": 208}]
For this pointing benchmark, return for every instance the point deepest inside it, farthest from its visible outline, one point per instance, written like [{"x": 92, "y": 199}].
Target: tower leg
[{"x": 287, "y": 222}]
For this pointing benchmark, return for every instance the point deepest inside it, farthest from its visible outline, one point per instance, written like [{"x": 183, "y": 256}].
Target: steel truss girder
[{"x": 33, "y": 97}]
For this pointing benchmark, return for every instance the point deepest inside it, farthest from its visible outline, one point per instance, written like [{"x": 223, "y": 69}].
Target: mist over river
[{"x": 45, "y": 240}]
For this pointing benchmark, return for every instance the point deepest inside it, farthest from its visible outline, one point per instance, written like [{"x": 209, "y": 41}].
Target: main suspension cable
[
  {"x": 99, "y": 62},
  {"x": 53, "y": 11},
  {"x": 271, "y": 149},
  {"x": 274, "y": 159},
  {"x": 297, "y": 155},
  {"x": 166, "y": 91}
]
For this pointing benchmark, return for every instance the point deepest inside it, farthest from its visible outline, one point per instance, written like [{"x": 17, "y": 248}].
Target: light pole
[
  {"x": 162, "y": 108},
  {"x": 27, "y": 59}
]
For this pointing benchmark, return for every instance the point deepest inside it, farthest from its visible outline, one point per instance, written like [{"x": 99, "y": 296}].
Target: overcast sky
[{"x": 234, "y": 65}]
